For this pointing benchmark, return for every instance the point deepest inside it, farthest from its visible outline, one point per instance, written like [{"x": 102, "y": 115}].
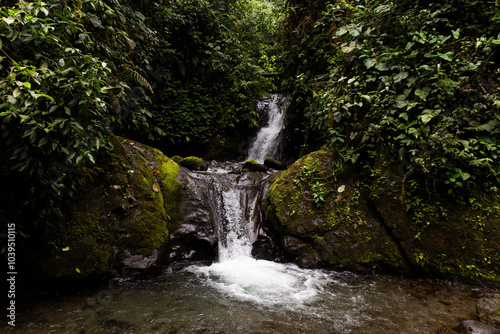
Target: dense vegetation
[
  {"x": 410, "y": 84},
  {"x": 183, "y": 75},
  {"x": 415, "y": 82}
]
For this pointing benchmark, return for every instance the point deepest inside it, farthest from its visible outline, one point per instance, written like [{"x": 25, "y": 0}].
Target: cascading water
[
  {"x": 237, "y": 273},
  {"x": 266, "y": 143}
]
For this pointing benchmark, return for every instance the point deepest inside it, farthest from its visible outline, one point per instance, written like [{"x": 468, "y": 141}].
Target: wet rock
[
  {"x": 488, "y": 310},
  {"x": 136, "y": 263},
  {"x": 204, "y": 223},
  {"x": 275, "y": 164},
  {"x": 301, "y": 253},
  {"x": 476, "y": 327},
  {"x": 254, "y": 166},
  {"x": 268, "y": 248}
]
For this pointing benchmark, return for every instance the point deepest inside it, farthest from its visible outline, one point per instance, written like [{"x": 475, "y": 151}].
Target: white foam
[{"x": 264, "y": 282}]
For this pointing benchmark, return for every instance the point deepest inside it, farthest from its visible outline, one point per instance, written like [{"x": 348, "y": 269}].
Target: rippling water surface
[{"x": 244, "y": 295}]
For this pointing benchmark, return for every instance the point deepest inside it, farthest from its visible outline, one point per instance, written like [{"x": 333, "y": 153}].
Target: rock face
[
  {"x": 205, "y": 213},
  {"x": 488, "y": 310},
  {"x": 121, "y": 224},
  {"x": 344, "y": 218}
]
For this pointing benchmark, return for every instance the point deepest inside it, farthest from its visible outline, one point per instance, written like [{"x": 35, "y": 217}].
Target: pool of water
[{"x": 245, "y": 295}]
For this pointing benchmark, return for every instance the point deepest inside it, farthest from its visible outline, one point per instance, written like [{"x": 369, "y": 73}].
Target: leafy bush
[
  {"x": 53, "y": 117},
  {"x": 419, "y": 81}
]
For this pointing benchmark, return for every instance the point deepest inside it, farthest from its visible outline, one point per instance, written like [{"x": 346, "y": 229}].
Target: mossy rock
[
  {"x": 330, "y": 218},
  {"x": 131, "y": 197},
  {"x": 253, "y": 166},
  {"x": 442, "y": 236},
  {"x": 194, "y": 163},
  {"x": 177, "y": 158}
]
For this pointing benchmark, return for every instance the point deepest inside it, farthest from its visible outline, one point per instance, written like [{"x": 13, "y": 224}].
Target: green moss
[
  {"x": 168, "y": 172},
  {"x": 191, "y": 162},
  {"x": 128, "y": 199},
  {"x": 76, "y": 251},
  {"x": 177, "y": 158},
  {"x": 252, "y": 162}
]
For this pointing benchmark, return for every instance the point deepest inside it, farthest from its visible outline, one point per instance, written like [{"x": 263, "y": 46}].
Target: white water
[
  {"x": 239, "y": 275},
  {"x": 265, "y": 144}
]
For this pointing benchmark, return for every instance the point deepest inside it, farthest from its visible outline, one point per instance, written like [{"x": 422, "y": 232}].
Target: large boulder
[
  {"x": 327, "y": 222},
  {"x": 440, "y": 235},
  {"x": 121, "y": 223},
  {"x": 347, "y": 217}
]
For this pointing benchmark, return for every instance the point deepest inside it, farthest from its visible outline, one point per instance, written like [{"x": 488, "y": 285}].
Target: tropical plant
[{"x": 411, "y": 79}]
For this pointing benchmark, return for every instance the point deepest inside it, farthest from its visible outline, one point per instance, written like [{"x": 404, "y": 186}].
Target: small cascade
[
  {"x": 223, "y": 209},
  {"x": 268, "y": 139},
  {"x": 233, "y": 228}
]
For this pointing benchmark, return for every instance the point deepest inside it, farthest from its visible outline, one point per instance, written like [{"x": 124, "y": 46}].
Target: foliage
[
  {"x": 53, "y": 116},
  {"x": 414, "y": 80},
  {"x": 75, "y": 71},
  {"x": 220, "y": 48}
]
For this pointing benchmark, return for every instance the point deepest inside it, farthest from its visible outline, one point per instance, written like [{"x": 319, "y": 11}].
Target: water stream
[
  {"x": 241, "y": 294},
  {"x": 266, "y": 143}
]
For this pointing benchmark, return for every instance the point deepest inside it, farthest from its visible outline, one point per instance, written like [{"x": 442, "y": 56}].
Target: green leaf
[
  {"x": 446, "y": 56},
  {"x": 456, "y": 33},
  {"x": 9, "y": 20},
  {"x": 366, "y": 97},
  {"x": 12, "y": 99},
  {"x": 426, "y": 118},
  {"x": 370, "y": 62},
  {"x": 381, "y": 67},
  {"x": 111, "y": 89},
  {"x": 43, "y": 141},
  {"x": 78, "y": 159},
  {"x": 401, "y": 101},
  {"x": 400, "y": 76},
  {"x": 423, "y": 92}
]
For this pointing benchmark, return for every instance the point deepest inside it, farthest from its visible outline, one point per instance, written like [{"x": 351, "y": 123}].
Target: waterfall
[
  {"x": 235, "y": 203},
  {"x": 232, "y": 225},
  {"x": 266, "y": 143}
]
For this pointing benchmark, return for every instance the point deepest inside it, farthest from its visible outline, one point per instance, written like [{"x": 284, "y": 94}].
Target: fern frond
[
  {"x": 130, "y": 74},
  {"x": 78, "y": 11}
]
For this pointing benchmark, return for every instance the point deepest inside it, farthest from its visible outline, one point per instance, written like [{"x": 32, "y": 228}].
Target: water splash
[{"x": 266, "y": 143}]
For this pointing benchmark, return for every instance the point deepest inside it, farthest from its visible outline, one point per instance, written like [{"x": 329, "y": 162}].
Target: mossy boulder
[
  {"x": 326, "y": 222},
  {"x": 349, "y": 216},
  {"x": 120, "y": 225},
  {"x": 441, "y": 235},
  {"x": 194, "y": 163},
  {"x": 253, "y": 166},
  {"x": 177, "y": 158}
]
